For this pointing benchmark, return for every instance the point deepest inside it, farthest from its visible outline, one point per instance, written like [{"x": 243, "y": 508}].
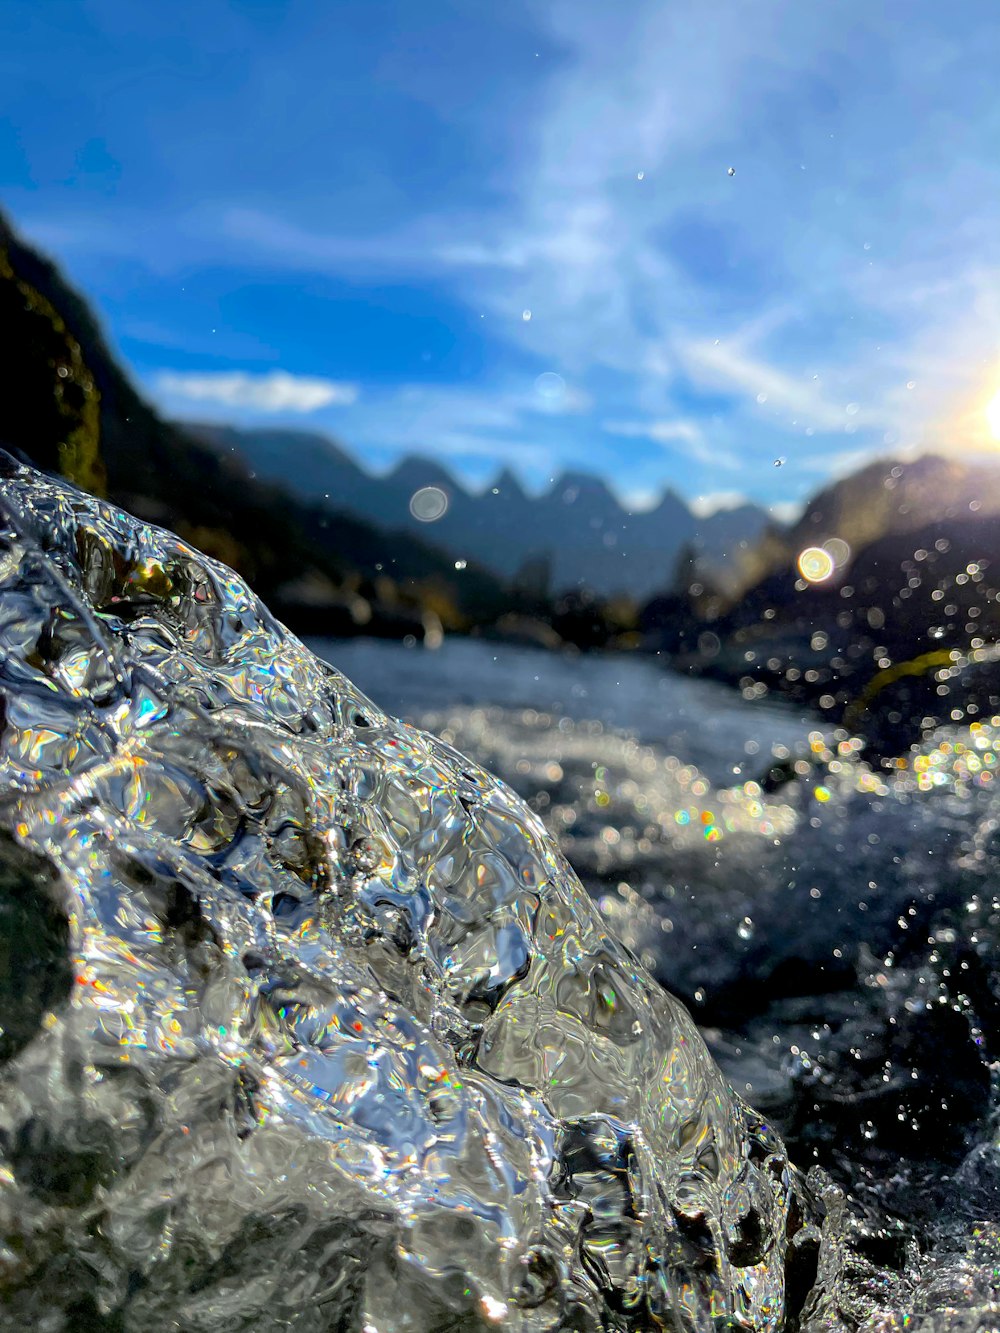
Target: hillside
[
  {"x": 904, "y": 632},
  {"x": 67, "y": 406}
]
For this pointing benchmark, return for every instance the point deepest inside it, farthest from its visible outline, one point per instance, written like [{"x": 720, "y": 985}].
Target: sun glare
[{"x": 993, "y": 416}]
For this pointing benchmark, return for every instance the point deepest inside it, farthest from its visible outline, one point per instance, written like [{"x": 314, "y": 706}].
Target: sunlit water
[{"x": 838, "y": 938}]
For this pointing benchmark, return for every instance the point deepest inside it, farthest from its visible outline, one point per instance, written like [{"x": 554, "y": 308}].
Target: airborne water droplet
[{"x": 428, "y": 504}]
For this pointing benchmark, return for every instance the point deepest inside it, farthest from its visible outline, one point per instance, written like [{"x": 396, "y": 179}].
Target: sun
[{"x": 993, "y": 416}]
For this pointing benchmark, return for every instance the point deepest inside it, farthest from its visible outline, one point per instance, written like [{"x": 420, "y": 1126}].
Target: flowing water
[{"x": 837, "y": 935}]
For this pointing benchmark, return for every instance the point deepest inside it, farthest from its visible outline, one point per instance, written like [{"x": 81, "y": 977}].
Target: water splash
[{"x": 341, "y": 1041}]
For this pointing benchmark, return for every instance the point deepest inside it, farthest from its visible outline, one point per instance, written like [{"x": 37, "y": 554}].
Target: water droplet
[
  {"x": 460, "y": 564},
  {"x": 428, "y": 504},
  {"x": 779, "y": 462},
  {"x": 525, "y": 315},
  {"x": 731, "y": 171},
  {"x": 550, "y": 386},
  {"x": 640, "y": 175},
  {"x": 815, "y": 564},
  {"x": 838, "y": 551},
  {"x": 762, "y": 398}
]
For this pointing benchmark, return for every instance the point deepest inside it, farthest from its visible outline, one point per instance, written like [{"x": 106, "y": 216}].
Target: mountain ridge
[{"x": 578, "y": 524}]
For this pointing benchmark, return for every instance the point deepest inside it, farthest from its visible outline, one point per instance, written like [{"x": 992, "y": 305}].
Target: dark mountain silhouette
[
  {"x": 889, "y": 495},
  {"x": 898, "y": 496},
  {"x": 588, "y": 535}
]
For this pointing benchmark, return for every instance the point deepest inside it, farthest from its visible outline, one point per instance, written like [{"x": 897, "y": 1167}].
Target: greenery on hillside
[{"x": 904, "y": 632}]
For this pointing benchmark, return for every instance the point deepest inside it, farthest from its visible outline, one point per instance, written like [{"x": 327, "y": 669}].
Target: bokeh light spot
[
  {"x": 428, "y": 504},
  {"x": 815, "y": 564}
]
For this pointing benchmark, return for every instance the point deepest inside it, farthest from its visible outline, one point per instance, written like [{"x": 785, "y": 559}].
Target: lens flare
[
  {"x": 815, "y": 564},
  {"x": 838, "y": 551}
]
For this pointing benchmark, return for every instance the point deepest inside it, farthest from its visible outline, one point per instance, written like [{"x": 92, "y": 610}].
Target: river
[
  {"x": 837, "y": 938},
  {"x": 699, "y": 721}
]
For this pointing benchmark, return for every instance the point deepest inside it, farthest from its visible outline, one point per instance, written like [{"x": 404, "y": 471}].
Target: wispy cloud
[
  {"x": 841, "y": 462},
  {"x": 680, "y": 435},
  {"x": 620, "y": 181},
  {"x": 729, "y": 366},
  {"x": 786, "y": 511},
  {"x": 475, "y": 431},
  {"x": 553, "y": 396},
  {"x": 662, "y": 432},
  {"x": 239, "y": 391}
]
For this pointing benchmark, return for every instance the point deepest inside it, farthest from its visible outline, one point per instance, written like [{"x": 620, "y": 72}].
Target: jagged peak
[
  {"x": 670, "y": 502},
  {"x": 508, "y": 483},
  {"x": 584, "y": 483},
  {"x": 418, "y": 470}
]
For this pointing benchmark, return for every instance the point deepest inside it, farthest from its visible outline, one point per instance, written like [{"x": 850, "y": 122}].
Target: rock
[{"x": 317, "y": 1029}]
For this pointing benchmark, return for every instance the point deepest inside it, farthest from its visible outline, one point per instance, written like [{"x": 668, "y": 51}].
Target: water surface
[{"x": 699, "y": 721}]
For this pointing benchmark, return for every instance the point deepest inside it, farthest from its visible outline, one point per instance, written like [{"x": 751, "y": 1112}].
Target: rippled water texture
[{"x": 306, "y": 1021}]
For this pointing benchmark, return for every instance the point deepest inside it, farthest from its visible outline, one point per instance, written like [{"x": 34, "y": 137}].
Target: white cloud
[
  {"x": 786, "y": 511},
  {"x": 844, "y": 461},
  {"x": 554, "y": 397},
  {"x": 458, "y": 424},
  {"x": 662, "y": 432},
  {"x": 703, "y": 506},
  {"x": 575, "y": 236},
  {"x": 794, "y": 281},
  {"x": 639, "y": 501},
  {"x": 276, "y": 391}
]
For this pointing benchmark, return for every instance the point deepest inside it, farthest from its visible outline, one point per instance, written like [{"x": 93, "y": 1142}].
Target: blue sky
[{"x": 669, "y": 242}]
